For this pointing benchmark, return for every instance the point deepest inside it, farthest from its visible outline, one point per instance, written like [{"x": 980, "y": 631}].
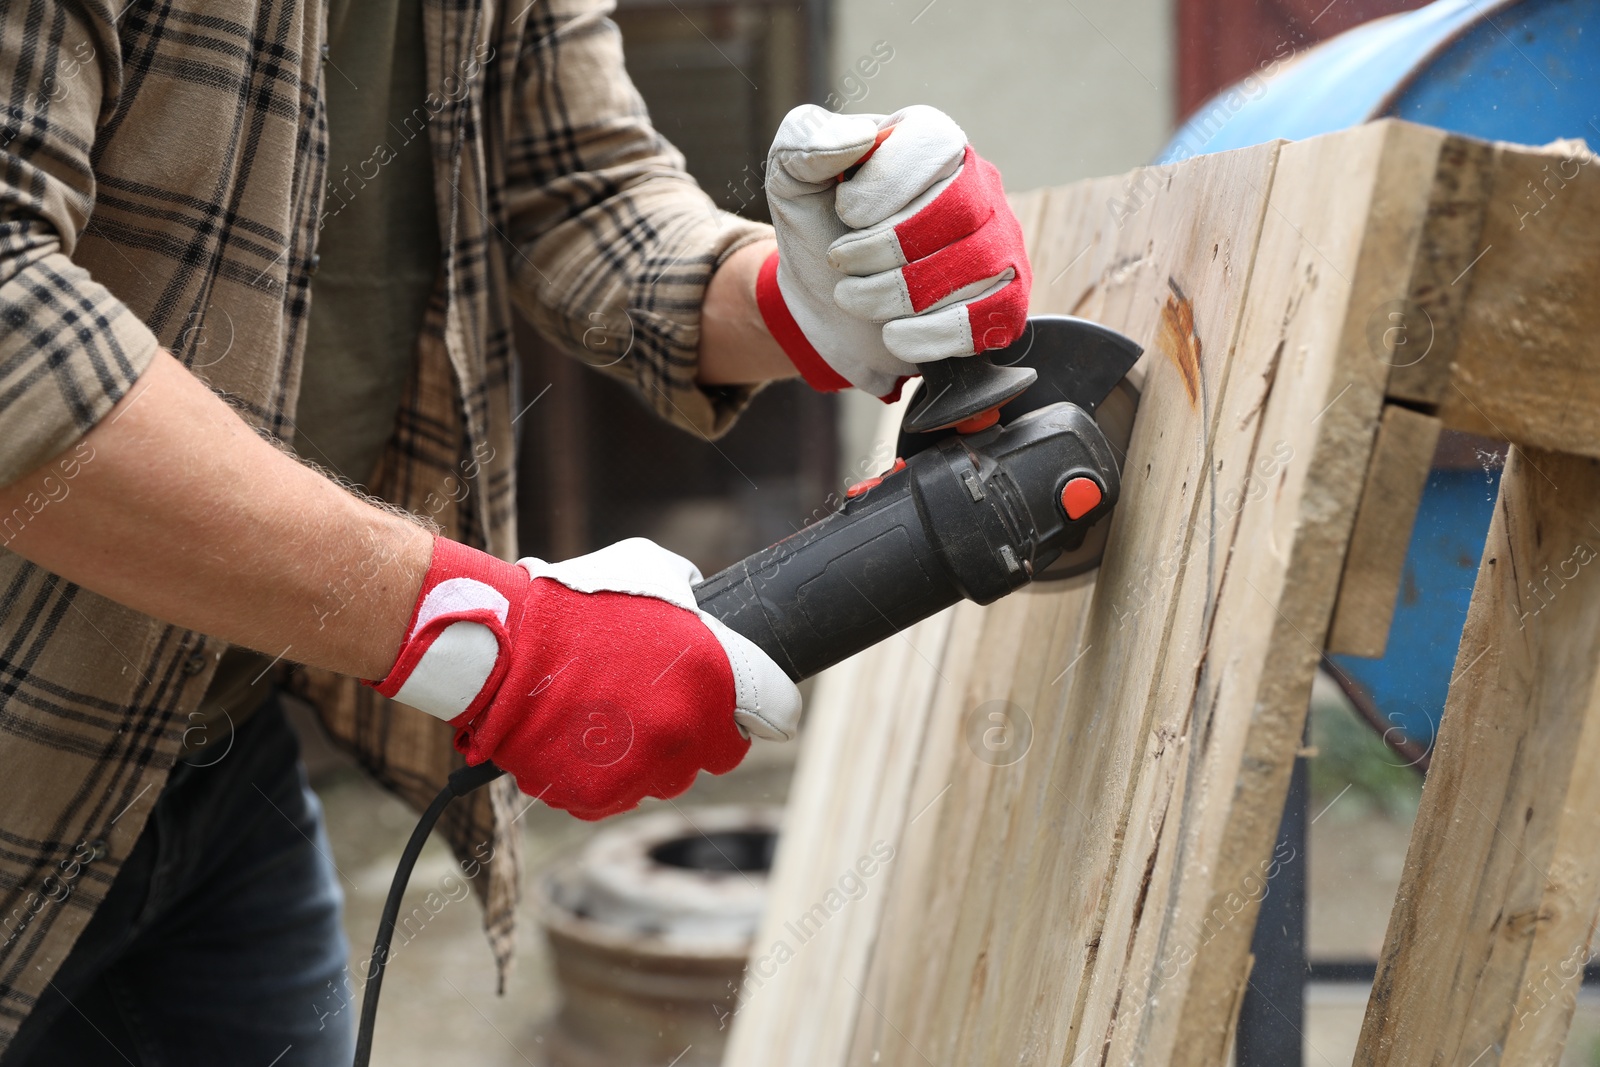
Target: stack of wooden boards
[{"x": 1038, "y": 832}]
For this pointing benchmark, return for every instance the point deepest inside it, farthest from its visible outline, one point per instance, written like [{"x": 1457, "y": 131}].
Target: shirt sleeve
[
  {"x": 69, "y": 349},
  {"x": 614, "y": 243}
]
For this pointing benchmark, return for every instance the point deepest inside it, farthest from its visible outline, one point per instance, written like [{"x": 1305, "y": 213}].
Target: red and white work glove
[
  {"x": 595, "y": 682},
  {"x": 914, "y": 257}
]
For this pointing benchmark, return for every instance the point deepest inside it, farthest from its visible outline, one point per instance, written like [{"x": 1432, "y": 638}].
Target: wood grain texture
[
  {"x": 1069, "y": 932},
  {"x": 1496, "y": 909},
  {"x": 1420, "y": 328},
  {"x": 1083, "y": 890},
  {"x": 866, "y": 727},
  {"x": 1515, "y": 331},
  {"x": 1370, "y": 584},
  {"x": 1301, "y": 407}
]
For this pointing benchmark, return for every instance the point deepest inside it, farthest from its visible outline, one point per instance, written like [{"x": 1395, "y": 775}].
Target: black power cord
[{"x": 459, "y": 784}]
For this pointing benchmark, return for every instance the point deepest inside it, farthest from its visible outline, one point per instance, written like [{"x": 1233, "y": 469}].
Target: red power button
[
  {"x": 876, "y": 480},
  {"x": 1079, "y": 497}
]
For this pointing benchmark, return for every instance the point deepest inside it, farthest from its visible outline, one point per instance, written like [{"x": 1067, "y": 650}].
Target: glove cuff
[
  {"x": 786, "y": 331},
  {"x": 455, "y": 652}
]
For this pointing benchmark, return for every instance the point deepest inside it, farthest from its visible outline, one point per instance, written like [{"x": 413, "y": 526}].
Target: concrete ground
[
  {"x": 1333, "y": 1022},
  {"x": 439, "y": 1002}
]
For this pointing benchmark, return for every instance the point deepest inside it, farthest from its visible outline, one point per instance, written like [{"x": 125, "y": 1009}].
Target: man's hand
[
  {"x": 911, "y": 256},
  {"x": 596, "y": 682}
]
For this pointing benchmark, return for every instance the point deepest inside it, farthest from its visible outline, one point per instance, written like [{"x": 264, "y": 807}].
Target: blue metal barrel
[{"x": 1527, "y": 72}]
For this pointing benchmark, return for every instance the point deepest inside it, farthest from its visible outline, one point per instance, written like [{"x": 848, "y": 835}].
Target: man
[{"x": 232, "y": 228}]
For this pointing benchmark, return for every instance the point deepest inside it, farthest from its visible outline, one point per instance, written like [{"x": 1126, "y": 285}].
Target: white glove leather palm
[
  {"x": 915, "y": 256},
  {"x": 766, "y": 702}
]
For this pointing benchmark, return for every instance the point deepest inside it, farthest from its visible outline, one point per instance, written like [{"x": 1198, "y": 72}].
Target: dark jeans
[{"x": 221, "y": 935}]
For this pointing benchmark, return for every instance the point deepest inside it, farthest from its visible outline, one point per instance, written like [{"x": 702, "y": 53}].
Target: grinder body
[{"x": 974, "y": 516}]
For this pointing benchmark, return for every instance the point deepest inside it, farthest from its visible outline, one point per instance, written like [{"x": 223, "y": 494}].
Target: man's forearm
[
  {"x": 184, "y": 513},
  {"x": 180, "y": 511},
  {"x": 735, "y": 345}
]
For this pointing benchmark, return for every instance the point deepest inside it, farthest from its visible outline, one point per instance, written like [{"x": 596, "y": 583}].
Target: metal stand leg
[{"x": 1272, "y": 1014}]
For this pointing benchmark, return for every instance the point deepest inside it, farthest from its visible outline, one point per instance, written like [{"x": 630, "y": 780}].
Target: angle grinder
[
  {"x": 1003, "y": 472},
  {"x": 1009, "y": 464}
]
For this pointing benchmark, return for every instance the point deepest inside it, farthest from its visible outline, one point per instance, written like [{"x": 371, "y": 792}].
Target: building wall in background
[
  {"x": 1225, "y": 41},
  {"x": 1050, "y": 90}
]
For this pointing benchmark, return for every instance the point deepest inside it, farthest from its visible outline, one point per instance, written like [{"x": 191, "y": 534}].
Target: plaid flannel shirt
[{"x": 163, "y": 179}]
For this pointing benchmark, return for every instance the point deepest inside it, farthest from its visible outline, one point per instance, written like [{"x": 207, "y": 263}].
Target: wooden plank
[
  {"x": 1047, "y": 829},
  {"x": 1507, "y": 316},
  {"x": 944, "y": 896},
  {"x": 865, "y": 726},
  {"x": 835, "y": 857},
  {"x": 1304, "y": 395},
  {"x": 1496, "y": 909},
  {"x": 1373, "y": 567},
  {"x": 1418, "y": 331},
  {"x": 1175, "y": 278}
]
